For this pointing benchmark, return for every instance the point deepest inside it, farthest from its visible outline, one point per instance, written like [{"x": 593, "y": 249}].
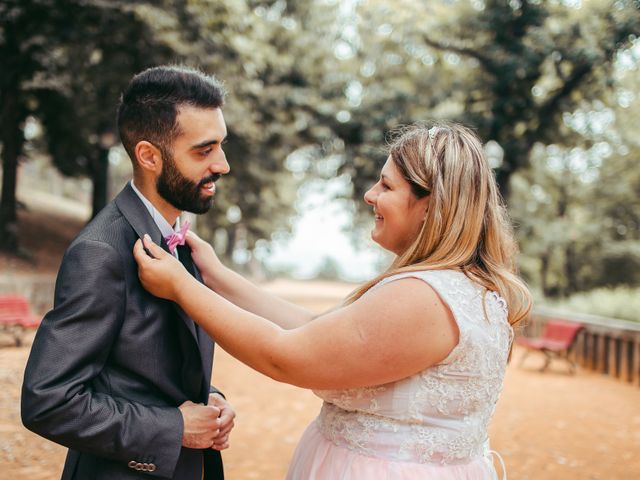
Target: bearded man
[{"x": 116, "y": 375}]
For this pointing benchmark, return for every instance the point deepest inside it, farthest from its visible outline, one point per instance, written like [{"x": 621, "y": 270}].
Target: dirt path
[{"x": 46, "y": 226}]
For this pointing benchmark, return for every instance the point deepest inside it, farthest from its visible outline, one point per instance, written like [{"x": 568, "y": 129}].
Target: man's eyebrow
[{"x": 206, "y": 143}]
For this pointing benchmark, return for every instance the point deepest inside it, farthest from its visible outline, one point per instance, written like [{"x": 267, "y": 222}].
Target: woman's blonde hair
[{"x": 466, "y": 225}]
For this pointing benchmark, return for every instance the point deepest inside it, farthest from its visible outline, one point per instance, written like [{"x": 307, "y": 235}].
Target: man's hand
[
  {"x": 201, "y": 425},
  {"x": 221, "y": 441}
]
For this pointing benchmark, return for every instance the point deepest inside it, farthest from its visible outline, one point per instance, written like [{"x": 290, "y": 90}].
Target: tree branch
[{"x": 468, "y": 52}]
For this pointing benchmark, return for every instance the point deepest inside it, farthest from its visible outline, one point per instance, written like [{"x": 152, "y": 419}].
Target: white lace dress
[{"x": 432, "y": 425}]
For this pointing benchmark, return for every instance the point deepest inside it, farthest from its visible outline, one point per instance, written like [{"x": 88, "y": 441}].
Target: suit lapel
[
  {"x": 205, "y": 342},
  {"x": 138, "y": 217},
  {"x": 140, "y": 220}
]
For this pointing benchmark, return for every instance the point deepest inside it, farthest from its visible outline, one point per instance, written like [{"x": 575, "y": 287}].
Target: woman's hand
[
  {"x": 204, "y": 257},
  {"x": 162, "y": 275}
]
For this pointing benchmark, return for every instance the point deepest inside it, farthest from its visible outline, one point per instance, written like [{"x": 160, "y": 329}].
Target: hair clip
[{"x": 432, "y": 132}]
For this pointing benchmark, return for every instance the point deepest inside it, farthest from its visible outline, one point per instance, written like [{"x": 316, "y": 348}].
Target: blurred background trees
[
  {"x": 64, "y": 63},
  {"x": 315, "y": 88}
]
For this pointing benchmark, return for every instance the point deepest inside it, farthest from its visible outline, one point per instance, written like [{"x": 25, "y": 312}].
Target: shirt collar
[{"x": 157, "y": 217}]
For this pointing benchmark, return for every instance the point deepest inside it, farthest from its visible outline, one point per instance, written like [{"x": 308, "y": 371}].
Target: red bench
[
  {"x": 16, "y": 316},
  {"x": 555, "y": 342}
]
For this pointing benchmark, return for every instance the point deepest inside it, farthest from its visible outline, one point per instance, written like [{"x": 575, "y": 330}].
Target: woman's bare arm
[
  {"x": 242, "y": 292},
  {"x": 399, "y": 329}
]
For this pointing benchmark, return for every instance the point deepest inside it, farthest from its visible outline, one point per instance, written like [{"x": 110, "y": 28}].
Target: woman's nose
[{"x": 369, "y": 196}]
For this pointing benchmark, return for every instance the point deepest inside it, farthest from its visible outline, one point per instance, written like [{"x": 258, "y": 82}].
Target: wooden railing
[{"x": 605, "y": 345}]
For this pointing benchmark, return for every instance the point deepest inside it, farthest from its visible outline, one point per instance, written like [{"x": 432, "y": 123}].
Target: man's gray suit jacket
[{"x": 110, "y": 362}]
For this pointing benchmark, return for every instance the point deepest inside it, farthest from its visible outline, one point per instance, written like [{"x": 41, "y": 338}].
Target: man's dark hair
[{"x": 149, "y": 105}]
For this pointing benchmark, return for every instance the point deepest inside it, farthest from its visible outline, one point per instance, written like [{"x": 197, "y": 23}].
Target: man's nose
[{"x": 220, "y": 165}]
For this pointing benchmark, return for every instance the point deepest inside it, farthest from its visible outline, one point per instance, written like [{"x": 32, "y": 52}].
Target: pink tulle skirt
[{"x": 316, "y": 458}]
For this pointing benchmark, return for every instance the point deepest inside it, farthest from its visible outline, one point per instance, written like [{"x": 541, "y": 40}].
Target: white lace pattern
[{"x": 441, "y": 414}]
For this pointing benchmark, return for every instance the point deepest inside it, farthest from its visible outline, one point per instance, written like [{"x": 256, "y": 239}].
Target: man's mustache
[{"x": 211, "y": 178}]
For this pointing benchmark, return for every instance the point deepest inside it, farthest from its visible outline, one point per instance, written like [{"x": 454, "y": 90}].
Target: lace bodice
[{"x": 441, "y": 414}]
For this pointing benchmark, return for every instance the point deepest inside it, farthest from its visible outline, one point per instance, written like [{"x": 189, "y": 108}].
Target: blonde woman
[{"x": 411, "y": 366}]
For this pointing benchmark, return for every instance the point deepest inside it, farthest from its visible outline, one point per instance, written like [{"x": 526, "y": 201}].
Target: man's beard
[{"x": 181, "y": 192}]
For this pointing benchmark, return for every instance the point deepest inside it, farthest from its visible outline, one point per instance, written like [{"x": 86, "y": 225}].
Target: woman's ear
[
  {"x": 148, "y": 156},
  {"x": 426, "y": 202}
]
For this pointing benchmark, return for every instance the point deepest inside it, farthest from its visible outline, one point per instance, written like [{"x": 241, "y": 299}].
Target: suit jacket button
[
  {"x": 152, "y": 467},
  {"x": 132, "y": 464}
]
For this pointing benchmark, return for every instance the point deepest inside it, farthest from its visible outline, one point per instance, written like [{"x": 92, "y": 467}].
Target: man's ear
[{"x": 148, "y": 156}]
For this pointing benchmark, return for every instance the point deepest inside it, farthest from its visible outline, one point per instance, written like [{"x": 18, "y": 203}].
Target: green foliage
[
  {"x": 329, "y": 270},
  {"x": 578, "y": 209},
  {"x": 69, "y": 76},
  {"x": 29, "y": 35},
  {"x": 315, "y": 87},
  {"x": 269, "y": 58},
  {"x": 509, "y": 69},
  {"x": 619, "y": 302},
  {"x": 112, "y": 44},
  {"x": 526, "y": 74},
  {"x": 267, "y": 53}
]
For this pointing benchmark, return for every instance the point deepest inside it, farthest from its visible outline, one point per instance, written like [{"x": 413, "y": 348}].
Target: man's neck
[{"x": 148, "y": 189}]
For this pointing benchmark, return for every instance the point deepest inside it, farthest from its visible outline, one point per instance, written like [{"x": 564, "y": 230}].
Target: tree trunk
[
  {"x": 570, "y": 270},
  {"x": 100, "y": 179},
  {"x": 232, "y": 235},
  {"x": 544, "y": 271},
  {"x": 12, "y": 139},
  {"x": 502, "y": 179}
]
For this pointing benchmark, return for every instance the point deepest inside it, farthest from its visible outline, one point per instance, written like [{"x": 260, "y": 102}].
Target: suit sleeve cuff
[
  {"x": 213, "y": 389},
  {"x": 169, "y": 445}
]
